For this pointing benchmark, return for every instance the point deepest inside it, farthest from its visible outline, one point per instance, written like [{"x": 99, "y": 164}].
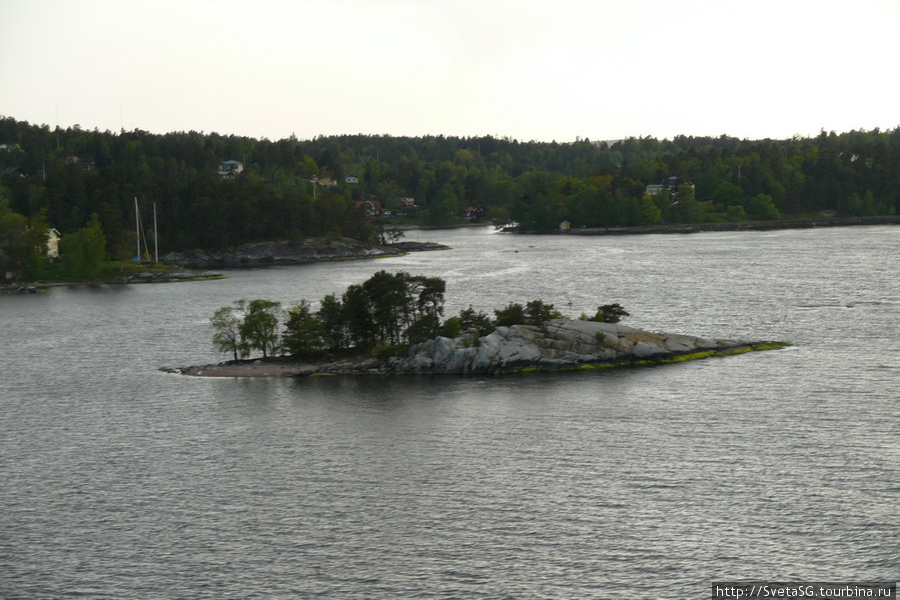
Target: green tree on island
[
  {"x": 226, "y": 322},
  {"x": 609, "y": 313},
  {"x": 469, "y": 319},
  {"x": 512, "y": 314},
  {"x": 305, "y": 333},
  {"x": 259, "y": 329},
  {"x": 535, "y": 312}
]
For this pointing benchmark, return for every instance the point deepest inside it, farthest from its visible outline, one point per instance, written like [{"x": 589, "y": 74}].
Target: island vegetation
[
  {"x": 379, "y": 317},
  {"x": 214, "y": 192}
]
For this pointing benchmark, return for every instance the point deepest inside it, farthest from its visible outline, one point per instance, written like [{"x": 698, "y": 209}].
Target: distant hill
[{"x": 215, "y": 191}]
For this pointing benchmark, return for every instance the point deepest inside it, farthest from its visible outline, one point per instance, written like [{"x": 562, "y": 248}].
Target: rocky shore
[
  {"x": 168, "y": 277},
  {"x": 562, "y": 345},
  {"x": 311, "y": 250},
  {"x": 139, "y": 277},
  {"x": 743, "y": 226}
]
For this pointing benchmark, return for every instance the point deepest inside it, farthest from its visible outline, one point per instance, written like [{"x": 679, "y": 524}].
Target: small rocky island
[
  {"x": 559, "y": 345},
  {"x": 392, "y": 324}
]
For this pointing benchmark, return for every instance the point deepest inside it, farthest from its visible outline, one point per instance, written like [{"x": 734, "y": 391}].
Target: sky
[{"x": 551, "y": 70}]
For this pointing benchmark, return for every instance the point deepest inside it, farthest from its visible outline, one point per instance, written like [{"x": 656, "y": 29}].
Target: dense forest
[{"x": 77, "y": 180}]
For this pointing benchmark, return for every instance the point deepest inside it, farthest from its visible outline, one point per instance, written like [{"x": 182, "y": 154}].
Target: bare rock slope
[{"x": 561, "y": 345}]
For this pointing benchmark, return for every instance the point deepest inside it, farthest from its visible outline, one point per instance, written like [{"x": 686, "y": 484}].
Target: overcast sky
[{"x": 550, "y": 70}]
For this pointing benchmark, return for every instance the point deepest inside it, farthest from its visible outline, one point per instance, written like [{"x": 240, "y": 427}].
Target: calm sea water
[{"x": 120, "y": 481}]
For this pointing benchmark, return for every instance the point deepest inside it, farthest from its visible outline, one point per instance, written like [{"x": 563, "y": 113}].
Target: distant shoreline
[
  {"x": 198, "y": 269},
  {"x": 705, "y": 227},
  {"x": 36, "y": 287},
  {"x": 286, "y": 253}
]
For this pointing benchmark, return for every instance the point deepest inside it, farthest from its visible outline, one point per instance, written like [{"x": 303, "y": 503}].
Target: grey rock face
[{"x": 561, "y": 344}]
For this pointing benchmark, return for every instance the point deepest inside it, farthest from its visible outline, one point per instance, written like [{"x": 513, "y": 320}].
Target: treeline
[
  {"x": 381, "y": 315},
  {"x": 73, "y": 173}
]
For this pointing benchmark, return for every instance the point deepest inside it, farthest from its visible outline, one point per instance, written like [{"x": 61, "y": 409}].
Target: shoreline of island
[{"x": 560, "y": 346}]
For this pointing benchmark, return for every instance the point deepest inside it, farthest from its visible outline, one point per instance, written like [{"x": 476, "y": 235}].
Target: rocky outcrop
[
  {"x": 169, "y": 276},
  {"x": 560, "y": 345},
  {"x": 293, "y": 253},
  {"x": 22, "y": 289}
]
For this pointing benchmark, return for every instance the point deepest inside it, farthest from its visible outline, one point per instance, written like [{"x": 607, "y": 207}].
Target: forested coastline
[{"x": 83, "y": 184}]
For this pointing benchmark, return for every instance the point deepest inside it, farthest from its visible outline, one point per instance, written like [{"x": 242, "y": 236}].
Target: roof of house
[{"x": 374, "y": 203}]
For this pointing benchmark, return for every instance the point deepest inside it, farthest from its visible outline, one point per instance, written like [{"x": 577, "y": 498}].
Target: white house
[
  {"x": 351, "y": 179},
  {"x": 230, "y": 168},
  {"x": 671, "y": 183},
  {"x": 53, "y": 237}
]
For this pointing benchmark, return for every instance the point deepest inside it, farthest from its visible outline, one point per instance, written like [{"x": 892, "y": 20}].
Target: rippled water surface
[{"x": 120, "y": 481}]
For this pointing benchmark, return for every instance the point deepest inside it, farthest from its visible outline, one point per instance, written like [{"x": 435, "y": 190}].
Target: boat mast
[
  {"x": 155, "y": 235},
  {"x": 137, "y": 229}
]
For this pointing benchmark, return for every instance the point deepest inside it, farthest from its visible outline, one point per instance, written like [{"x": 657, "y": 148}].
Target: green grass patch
[
  {"x": 109, "y": 270},
  {"x": 688, "y": 357},
  {"x": 681, "y": 358}
]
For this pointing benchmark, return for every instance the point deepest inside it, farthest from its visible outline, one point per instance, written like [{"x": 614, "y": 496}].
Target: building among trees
[{"x": 230, "y": 168}]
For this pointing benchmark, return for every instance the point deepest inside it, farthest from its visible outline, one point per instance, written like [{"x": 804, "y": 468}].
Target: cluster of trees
[
  {"x": 23, "y": 246},
  {"x": 22, "y": 242},
  {"x": 70, "y": 174},
  {"x": 385, "y": 312}
]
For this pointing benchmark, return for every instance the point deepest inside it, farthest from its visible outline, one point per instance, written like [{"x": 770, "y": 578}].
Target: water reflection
[{"x": 546, "y": 485}]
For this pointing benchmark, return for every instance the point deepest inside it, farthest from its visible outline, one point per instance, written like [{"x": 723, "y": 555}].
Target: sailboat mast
[
  {"x": 137, "y": 229},
  {"x": 155, "y": 235}
]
